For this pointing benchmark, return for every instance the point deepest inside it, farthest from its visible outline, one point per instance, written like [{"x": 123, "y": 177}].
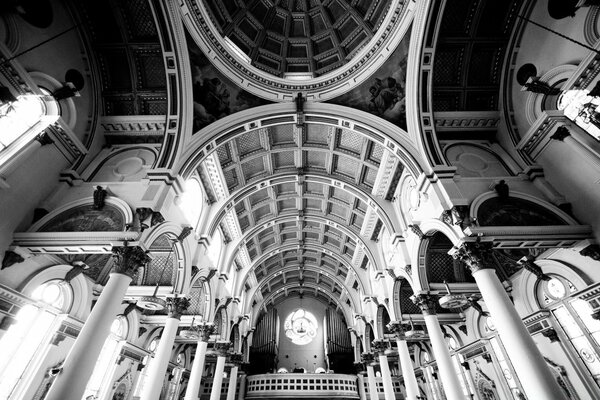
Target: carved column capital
[
  {"x": 398, "y": 329},
  {"x": 474, "y": 255},
  {"x": 176, "y": 306},
  {"x": 379, "y": 346},
  {"x": 367, "y": 358},
  {"x": 204, "y": 332},
  {"x": 129, "y": 259},
  {"x": 222, "y": 348},
  {"x": 426, "y": 302}
]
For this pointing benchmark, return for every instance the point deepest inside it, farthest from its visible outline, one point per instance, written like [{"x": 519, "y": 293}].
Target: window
[
  {"x": 191, "y": 201},
  {"x": 27, "y": 341},
  {"x": 101, "y": 378},
  {"x": 300, "y": 327},
  {"x": 23, "y": 118},
  {"x": 582, "y": 109}
]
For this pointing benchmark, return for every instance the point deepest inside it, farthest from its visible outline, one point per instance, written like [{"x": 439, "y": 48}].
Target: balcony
[{"x": 337, "y": 386}]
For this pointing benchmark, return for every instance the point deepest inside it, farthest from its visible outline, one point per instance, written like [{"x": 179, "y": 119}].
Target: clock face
[
  {"x": 300, "y": 327},
  {"x": 556, "y": 289}
]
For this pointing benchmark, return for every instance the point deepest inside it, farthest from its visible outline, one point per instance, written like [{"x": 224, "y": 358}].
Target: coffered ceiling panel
[{"x": 298, "y": 36}]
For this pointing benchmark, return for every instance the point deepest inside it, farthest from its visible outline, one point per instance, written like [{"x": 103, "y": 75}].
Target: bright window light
[
  {"x": 18, "y": 117},
  {"x": 191, "y": 201}
]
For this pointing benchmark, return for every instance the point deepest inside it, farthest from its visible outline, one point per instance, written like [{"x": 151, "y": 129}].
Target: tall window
[
  {"x": 582, "y": 109},
  {"x": 574, "y": 317},
  {"x": 23, "y": 118},
  {"x": 26, "y": 342},
  {"x": 101, "y": 380}
]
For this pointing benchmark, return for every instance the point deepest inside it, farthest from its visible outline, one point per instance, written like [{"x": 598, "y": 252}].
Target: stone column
[
  {"x": 235, "y": 359},
  {"x": 408, "y": 371},
  {"x": 222, "y": 349},
  {"x": 367, "y": 359},
  {"x": 529, "y": 364},
  {"x": 192, "y": 391},
  {"x": 452, "y": 388},
  {"x": 159, "y": 364},
  {"x": 388, "y": 388},
  {"x": 81, "y": 360}
]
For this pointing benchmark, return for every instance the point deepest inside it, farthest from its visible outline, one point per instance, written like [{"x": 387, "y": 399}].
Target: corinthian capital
[
  {"x": 129, "y": 259},
  {"x": 176, "y": 306},
  {"x": 398, "y": 329},
  {"x": 379, "y": 346},
  {"x": 474, "y": 255},
  {"x": 426, "y": 302},
  {"x": 205, "y": 330}
]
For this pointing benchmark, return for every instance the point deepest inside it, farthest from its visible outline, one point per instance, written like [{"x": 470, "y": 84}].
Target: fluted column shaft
[
  {"x": 157, "y": 368},
  {"x": 81, "y": 360},
  {"x": 192, "y": 391},
  {"x": 529, "y": 364}
]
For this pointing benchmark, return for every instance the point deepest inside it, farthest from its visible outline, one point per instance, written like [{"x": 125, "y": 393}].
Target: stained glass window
[{"x": 300, "y": 327}]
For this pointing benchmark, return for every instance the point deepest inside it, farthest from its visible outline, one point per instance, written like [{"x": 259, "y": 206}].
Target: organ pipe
[
  {"x": 265, "y": 338},
  {"x": 338, "y": 337}
]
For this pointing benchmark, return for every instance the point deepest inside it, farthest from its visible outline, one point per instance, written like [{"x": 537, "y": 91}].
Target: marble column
[
  {"x": 160, "y": 362},
  {"x": 529, "y": 364},
  {"x": 72, "y": 380},
  {"x": 192, "y": 391},
  {"x": 408, "y": 371},
  {"x": 427, "y": 303},
  {"x": 235, "y": 360},
  {"x": 222, "y": 349},
  {"x": 388, "y": 388},
  {"x": 367, "y": 359}
]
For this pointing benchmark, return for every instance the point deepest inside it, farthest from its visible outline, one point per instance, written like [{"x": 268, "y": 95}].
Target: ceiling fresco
[
  {"x": 215, "y": 96},
  {"x": 383, "y": 94}
]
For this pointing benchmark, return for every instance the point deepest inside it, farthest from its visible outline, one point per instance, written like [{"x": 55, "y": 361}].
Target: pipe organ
[
  {"x": 263, "y": 351},
  {"x": 338, "y": 343}
]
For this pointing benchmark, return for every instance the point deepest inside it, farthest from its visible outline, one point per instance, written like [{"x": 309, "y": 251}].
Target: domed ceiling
[{"x": 298, "y": 36}]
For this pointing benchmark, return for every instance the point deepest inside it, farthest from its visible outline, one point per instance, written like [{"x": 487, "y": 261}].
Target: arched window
[
  {"x": 574, "y": 316},
  {"x": 582, "y": 109},
  {"x": 27, "y": 341},
  {"x": 192, "y": 200},
  {"x": 101, "y": 380},
  {"x": 21, "y": 120}
]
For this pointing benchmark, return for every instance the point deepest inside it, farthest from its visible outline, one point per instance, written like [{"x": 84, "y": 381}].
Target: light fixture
[{"x": 453, "y": 300}]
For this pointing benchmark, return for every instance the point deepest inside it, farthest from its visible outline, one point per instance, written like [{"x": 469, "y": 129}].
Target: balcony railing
[{"x": 302, "y": 386}]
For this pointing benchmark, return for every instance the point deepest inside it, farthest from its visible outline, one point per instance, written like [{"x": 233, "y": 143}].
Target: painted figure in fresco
[{"x": 384, "y": 95}]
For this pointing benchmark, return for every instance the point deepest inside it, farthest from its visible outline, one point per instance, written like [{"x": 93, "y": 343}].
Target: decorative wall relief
[
  {"x": 87, "y": 219},
  {"x": 383, "y": 94},
  {"x": 215, "y": 96}
]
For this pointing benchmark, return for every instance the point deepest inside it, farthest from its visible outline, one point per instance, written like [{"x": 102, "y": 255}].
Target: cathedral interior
[{"x": 275, "y": 199}]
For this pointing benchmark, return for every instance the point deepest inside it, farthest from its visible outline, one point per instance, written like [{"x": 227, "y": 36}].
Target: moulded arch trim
[
  {"x": 392, "y": 137},
  {"x": 67, "y": 106},
  {"x": 91, "y": 172},
  {"x": 314, "y": 218},
  {"x": 241, "y": 194},
  {"x": 181, "y": 249},
  {"x": 526, "y": 283},
  {"x": 533, "y": 104},
  {"x": 266, "y": 256},
  {"x": 312, "y": 268},
  {"x": 344, "y": 307},
  {"x": 480, "y": 147},
  {"x": 81, "y": 286},
  {"x": 121, "y": 205},
  {"x": 479, "y": 200},
  {"x": 133, "y": 323}
]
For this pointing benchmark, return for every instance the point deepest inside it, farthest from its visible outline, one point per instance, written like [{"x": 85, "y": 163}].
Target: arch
[
  {"x": 383, "y": 318},
  {"x": 81, "y": 301},
  {"x": 264, "y": 257},
  {"x": 526, "y": 283},
  {"x": 125, "y": 164},
  {"x": 205, "y": 142},
  {"x": 546, "y": 211},
  {"x": 122, "y": 212},
  {"x": 182, "y": 251},
  {"x": 493, "y": 166}
]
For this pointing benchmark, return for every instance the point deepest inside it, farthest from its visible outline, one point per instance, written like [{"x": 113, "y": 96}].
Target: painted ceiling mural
[
  {"x": 216, "y": 96},
  {"x": 383, "y": 93}
]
